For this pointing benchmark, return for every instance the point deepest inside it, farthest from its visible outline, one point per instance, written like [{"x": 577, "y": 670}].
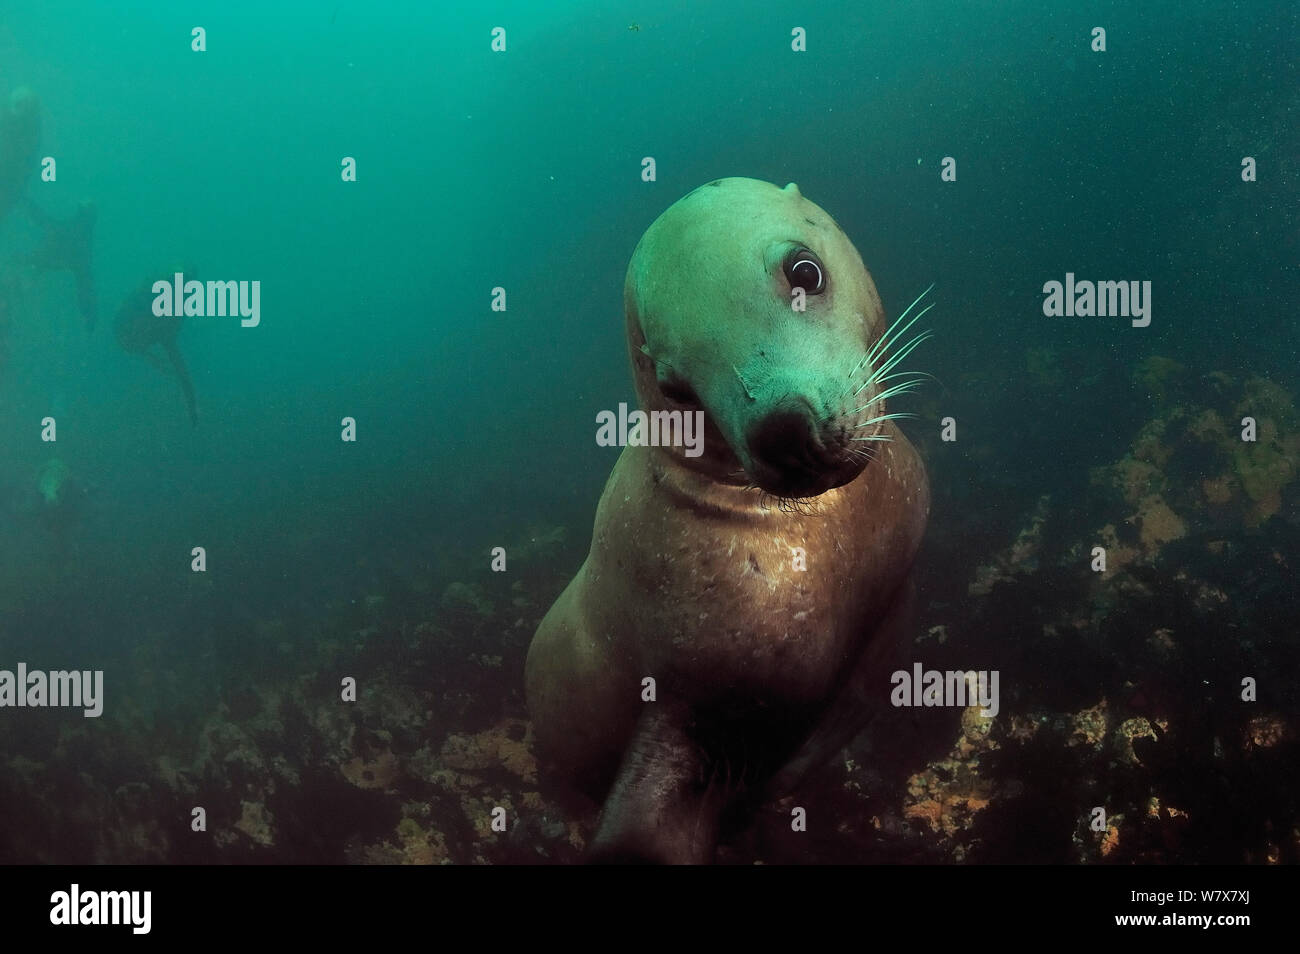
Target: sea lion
[
  {"x": 50, "y": 480},
  {"x": 61, "y": 504},
  {"x": 746, "y": 581},
  {"x": 64, "y": 243},
  {"x": 20, "y": 138},
  {"x": 138, "y": 330},
  {"x": 67, "y": 244}
]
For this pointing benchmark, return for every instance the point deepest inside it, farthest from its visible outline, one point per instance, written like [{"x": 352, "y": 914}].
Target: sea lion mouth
[
  {"x": 794, "y": 488},
  {"x": 789, "y": 456}
]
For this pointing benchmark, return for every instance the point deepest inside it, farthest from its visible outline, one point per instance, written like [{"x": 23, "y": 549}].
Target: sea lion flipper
[
  {"x": 183, "y": 375},
  {"x": 657, "y": 811}
]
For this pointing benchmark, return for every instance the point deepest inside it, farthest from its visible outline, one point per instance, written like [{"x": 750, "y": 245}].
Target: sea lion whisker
[
  {"x": 896, "y": 357},
  {"x": 914, "y": 376},
  {"x": 901, "y": 374},
  {"x": 860, "y": 453},
  {"x": 881, "y": 373},
  {"x": 896, "y": 416},
  {"x": 900, "y": 353},
  {"x": 893, "y": 333},
  {"x": 870, "y": 354},
  {"x": 905, "y": 388},
  {"x": 914, "y": 301},
  {"x": 874, "y": 403},
  {"x": 913, "y": 380}
]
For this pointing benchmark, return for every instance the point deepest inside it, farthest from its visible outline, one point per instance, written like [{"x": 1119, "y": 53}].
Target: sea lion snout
[{"x": 791, "y": 456}]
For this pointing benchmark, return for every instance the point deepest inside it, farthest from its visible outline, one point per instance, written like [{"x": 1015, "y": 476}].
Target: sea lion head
[{"x": 790, "y": 396}]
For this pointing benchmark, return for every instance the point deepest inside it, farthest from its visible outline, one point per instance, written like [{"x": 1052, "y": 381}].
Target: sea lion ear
[{"x": 791, "y": 187}]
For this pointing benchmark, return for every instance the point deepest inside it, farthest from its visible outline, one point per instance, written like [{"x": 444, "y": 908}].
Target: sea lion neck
[{"x": 684, "y": 486}]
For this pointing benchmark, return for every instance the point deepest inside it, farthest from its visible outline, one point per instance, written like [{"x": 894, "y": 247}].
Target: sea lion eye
[{"x": 803, "y": 269}]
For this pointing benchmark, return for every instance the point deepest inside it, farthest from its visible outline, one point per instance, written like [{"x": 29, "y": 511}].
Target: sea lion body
[
  {"x": 67, "y": 245},
  {"x": 20, "y": 136},
  {"x": 694, "y": 583},
  {"x": 139, "y": 331},
  {"x": 748, "y": 615}
]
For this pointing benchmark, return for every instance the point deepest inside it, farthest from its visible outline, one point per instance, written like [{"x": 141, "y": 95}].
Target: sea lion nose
[{"x": 786, "y": 442}]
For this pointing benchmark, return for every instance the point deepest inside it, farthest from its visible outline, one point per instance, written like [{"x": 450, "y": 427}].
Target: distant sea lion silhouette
[
  {"x": 138, "y": 330},
  {"x": 67, "y": 244},
  {"x": 752, "y": 618},
  {"x": 50, "y": 480},
  {"x": 20, "y": 139}
]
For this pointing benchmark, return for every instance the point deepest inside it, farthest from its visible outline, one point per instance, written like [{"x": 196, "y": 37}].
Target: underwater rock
[
  {"x": 1020, "y": 557},
  {"x": 1189, "y": 467},
  {"x": 1110, "y": 840},
  {"x": 1264, "y": 732},
  {"x": 950, "y": 792},
  {"x": 1130, "y": 729},
  {"x": 379, "y": 772},
  {"x": 1157, "y": 523},
  {"x": 255, "y": 822},
  {"x": 505, "y": 745},
  {"x": 1089, "y": 726},
  {"x": 420, "y": 846},
  {"x": 272, "y": 753},
  {"x": 1196, "y": 577},
  {"x": 466, "y": 596}
]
